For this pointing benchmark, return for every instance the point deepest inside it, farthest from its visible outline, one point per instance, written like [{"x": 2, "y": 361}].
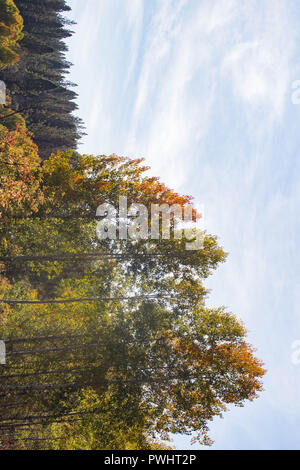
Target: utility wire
[
  {"x": 78, "y": 300},
  {"x": 78, "y": 256}
]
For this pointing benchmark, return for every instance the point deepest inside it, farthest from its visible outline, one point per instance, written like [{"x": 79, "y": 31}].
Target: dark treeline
[{"x": 36, "y": 83}]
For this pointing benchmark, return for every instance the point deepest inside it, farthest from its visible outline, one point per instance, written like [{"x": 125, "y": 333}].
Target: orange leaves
[
  {"x": 87, "y": 181},
  {"x": 223, "y": 366},
  {"x": 19, "y": 169},
  {"x": 11, "y": 26}
]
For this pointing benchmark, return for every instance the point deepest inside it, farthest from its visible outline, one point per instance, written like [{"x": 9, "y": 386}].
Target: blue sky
[{"x": 202, "y": 90}]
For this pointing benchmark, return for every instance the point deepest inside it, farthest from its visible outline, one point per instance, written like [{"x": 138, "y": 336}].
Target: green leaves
[{"x": 112, "y": 374}]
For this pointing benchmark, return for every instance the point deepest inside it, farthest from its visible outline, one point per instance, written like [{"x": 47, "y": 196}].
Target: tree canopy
[{"x": 114, "y": 332}]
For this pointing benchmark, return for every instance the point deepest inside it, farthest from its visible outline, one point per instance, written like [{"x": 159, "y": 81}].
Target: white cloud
[
  {"x": 200, "y": 89},
  {"x": 135, "y": 11},
  {"x": 260, "y": 66},
  {"x": 87, "y": 31},
  {"x": 163, "y": 30}
]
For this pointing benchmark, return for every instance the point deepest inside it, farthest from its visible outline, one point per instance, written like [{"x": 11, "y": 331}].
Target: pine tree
[{"x": 37, "y": 84}]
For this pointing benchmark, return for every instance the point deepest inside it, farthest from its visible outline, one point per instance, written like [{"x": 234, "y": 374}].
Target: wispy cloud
[
  {"x": 260, "y": 66},
  {"x": 201, "y": 89},
  {"x": 135, "y": 15}
]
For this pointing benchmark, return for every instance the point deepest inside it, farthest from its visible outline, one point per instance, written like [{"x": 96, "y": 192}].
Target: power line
[
  {"x": 71, "y": 370},
  {"x": 29, "y": 425},
  {"x": 78, "y": 256},
  {"x": 47, "y": 416},
  {"x": 35, "y": 339},
  {"x": 79, "y": 300},
  {"x": 66, "y": 348},
  {"x": 17, "y": 390},
  {"x": 50, "y": 372}
]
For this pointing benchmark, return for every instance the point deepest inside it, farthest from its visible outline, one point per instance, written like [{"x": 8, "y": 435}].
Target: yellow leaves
[
  {"x": 19, "y": 172},
  {"x": 89, "y": 180},
  {"x": 172, "y": 365},
  {"x": 11, "y": 25}
]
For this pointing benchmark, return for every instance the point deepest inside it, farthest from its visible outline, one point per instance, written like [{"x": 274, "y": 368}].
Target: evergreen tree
[{"x": 37, "y": 83}]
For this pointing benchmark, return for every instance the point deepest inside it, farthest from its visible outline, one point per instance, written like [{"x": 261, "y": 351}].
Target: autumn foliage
[
  {"x": 20, "y": 169},
  {"x": 132, "y": 370},
  {"x": 110, "y": 344},
  {"x": 11, "y": 26}
]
